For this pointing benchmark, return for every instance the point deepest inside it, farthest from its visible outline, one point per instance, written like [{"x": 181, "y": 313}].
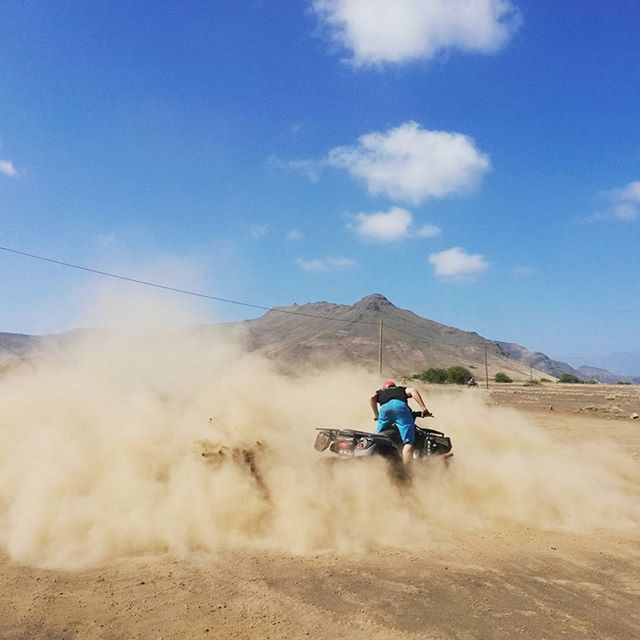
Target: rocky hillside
[
  {"x": 322, "y": 334},
  {"x": 626, "y": 363},
  {"x": 556, "y": 368},
  {"x": 601, "y": 375},
  {"x": 536, "y": 359},
  {"x": 18, "y": 344}
]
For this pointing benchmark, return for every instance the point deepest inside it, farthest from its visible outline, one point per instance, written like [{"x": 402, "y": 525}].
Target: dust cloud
[{"x": 101, "y": 457}]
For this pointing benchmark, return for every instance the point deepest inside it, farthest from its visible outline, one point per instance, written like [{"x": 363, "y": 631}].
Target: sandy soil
[
  {"x": 516, "y": 582},
  {"x": 617, "y": 402}
]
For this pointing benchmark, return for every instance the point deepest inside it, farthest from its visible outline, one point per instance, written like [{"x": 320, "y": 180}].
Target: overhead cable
[
  {"x": 217, "y": 299},
  {"x": 178, "y": 290}
]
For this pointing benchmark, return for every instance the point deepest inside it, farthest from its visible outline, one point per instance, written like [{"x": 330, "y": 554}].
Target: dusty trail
[
  {"x": 505, "y": 583},
  {"x": 112, "y": 525},
  {"x": 544, "y": 586}
]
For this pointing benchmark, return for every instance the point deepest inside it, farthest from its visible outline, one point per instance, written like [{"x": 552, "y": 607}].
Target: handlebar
[{"x": 419, "y": 414}]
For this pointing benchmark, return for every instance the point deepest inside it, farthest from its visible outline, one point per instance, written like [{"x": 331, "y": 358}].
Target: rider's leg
[
  {"x": 407, "y": 428},
  {"x": 385, "y": 418}
]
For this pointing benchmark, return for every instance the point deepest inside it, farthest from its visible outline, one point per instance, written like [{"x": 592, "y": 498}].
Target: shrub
[
  {"x": 436, "y": 376},
  {"x": 502, "y": 377},
  {"x": 458, "y": 375},
  {"x": 455, "y": 375},
  {"x": 569, "y": 378}
]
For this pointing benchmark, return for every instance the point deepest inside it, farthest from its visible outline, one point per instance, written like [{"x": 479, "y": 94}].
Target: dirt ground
[
  {"x": 515, "y": 583},
  {"x": 601, "y": 400}
]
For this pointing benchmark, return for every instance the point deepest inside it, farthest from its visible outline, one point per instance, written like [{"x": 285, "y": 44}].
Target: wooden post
[
  {"x": 486, "y": 367},
  {"x": 380, "y": 352}
]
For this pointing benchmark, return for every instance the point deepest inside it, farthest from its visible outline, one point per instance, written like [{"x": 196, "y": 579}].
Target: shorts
[{"x": 398, "y": 411}]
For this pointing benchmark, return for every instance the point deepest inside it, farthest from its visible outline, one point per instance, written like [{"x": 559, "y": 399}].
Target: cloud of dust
[{"x": 100, "y": 457}]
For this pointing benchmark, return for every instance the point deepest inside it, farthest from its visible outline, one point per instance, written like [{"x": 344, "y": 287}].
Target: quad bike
[{"x": 349, "y": 444}]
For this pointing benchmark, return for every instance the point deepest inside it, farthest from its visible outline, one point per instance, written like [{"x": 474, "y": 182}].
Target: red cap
[{"x": 388, "y": 383}]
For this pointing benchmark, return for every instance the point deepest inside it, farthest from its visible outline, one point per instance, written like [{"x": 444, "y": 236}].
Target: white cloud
[
  {"x": 258, "y": 231},
  {"x": 390, "y": 226},
  {"x": 383, "y": 227},
  {"x": 398, "y": 31},
  {"x": 629, "y": 193},
  {"x": 625, "y": 211},
  {"x": 294, "y": 234},
  {"x": 428, "y": 231},
  {"x": 456, "y": 263},
  {"x": 311, "y": 169},
  {"x": 308, "y": 168},
  {"x": 7, "y": 168},
  {"x": 408, "y": 163},
  {"x": 624, "y": 205},
  {"x": 324, "y": 265}
]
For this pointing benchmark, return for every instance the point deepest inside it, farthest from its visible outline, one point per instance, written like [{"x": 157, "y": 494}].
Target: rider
[{"x": 394, "y": 407}]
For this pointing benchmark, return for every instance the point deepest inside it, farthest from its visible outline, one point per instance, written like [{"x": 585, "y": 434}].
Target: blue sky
[{"x": 476, "y": 162}]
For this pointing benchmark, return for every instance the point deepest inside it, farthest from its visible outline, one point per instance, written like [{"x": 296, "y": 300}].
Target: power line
[
  {"x": 156, "y": 285},
  {"x": 178, "y": 290},
  {"x": 228, "y": 301}
]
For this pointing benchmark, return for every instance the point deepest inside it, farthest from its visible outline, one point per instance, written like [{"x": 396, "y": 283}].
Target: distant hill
[
  {"x": 20, "y": 345},
  {"x": 536, "y": 359},
  {"x": 624, "y": 363},
  {"x": 601, "y": 375},
  {"x": 556, "y": 367},
  {"x": 318, "y": 335},
  {"x": 411, "y": 343}
]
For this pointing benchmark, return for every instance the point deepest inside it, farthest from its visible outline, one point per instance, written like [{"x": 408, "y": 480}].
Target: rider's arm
[
  {"x": 415, "y": 394},
  {"x": 373, "y": 401}
]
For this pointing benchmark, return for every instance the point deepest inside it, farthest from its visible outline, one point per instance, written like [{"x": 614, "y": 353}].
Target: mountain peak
[{"x": 373, "y": 302}]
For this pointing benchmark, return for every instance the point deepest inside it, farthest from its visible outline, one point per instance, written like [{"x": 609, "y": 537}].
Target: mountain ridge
[
  {"x": 411, "y": 343},
  {"x": 626, "y": 363},
  {"x": 319, "y": 335}
]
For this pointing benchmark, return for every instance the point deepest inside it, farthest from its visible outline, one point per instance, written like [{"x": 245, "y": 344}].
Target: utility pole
[
  {"x": 380, "y": 352},
  {"x": 486, "y": 367}
]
